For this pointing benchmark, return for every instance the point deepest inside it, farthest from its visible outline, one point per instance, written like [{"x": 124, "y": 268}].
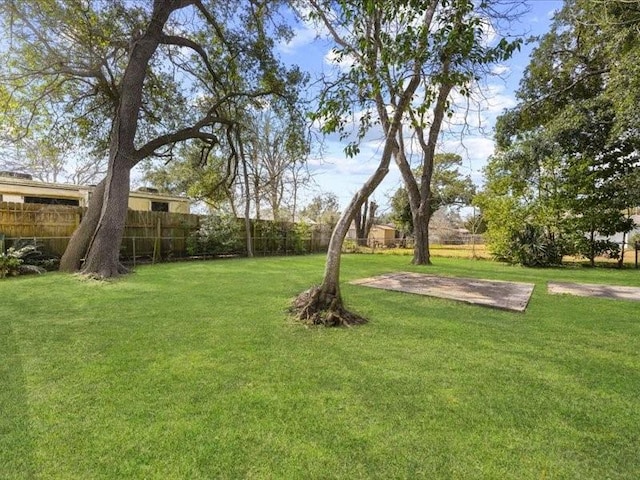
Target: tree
[
  {"x": 523, "y": 188},
  {"x": 324, "y": 209},
  {"x": 276, "y": 148},
  {"x": 53, "y": 156},
  {"x": 389, "y": 46},
  {"x": 566, "y": 166},
  {"x": 401, "y": 211},
  {"x": 449, "y": 188},
  {"x": 139, "y": 79},
  {"x": 459, "y": 66},
  {"x": 364, "y": 220},
  {"x": 188, "y": 173}
]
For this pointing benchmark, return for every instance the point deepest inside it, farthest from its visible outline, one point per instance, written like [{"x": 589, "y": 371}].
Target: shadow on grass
[{"x": 16, "y": 441}]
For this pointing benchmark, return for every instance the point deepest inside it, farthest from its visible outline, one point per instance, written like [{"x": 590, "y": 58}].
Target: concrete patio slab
[
  {"x": 595, "y": 290},
  {"x": 511, "y": 296}
]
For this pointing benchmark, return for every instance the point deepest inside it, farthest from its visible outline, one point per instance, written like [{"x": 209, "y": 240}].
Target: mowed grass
[{"x": 194, "y": 370}]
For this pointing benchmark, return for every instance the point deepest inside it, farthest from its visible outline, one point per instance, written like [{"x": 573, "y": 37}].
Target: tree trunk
[
  {"x": 73, "y": 256},
  {"x": 622, "y": 250},
  {"x": 103, "y": 254},
  {"x": 360, "y": 221},
  {"x": 421, "y": 253},
  {"x": 109, "y": 215},
  {"x": 247, "y": 211},
  {"x": 323, "y": 305},
  {"x": 368, "y": 224}
]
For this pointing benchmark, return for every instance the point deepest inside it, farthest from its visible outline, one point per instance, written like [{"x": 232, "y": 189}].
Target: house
[
  {"x": 21, "y": 188},
  {"x": 380, "y": 235},
  {"x": 383, "y": 235}
]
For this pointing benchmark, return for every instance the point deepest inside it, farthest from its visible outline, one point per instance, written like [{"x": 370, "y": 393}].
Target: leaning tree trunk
[
  {"x": 103, "y": 253},
  {"x": 108, "y": 216},
  {"x": 76, "y": 250},
  {"x": 323, "y": 305}
]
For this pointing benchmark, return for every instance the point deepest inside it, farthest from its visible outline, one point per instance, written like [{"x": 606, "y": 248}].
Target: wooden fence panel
[
  {"x": 158, "y": 234},
  {"x": 147, "y": 234},
  {"x": 52, "y": 225}
]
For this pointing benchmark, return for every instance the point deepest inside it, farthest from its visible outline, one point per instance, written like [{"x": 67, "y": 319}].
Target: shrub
[
  {"x": 531, "y": 247},
  {"x": 300, "y": 236},
  {"x": 350, "y": 246},
  {"x": 9, "y": 264},
  {"x": 590, "y": 249},
  {"x": 21, "y": 259},
  {"x": 219, "y": 234}
]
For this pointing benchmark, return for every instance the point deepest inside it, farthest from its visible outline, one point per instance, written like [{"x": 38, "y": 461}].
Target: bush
[
  {"x": 531, "y": 247},
  {"x": 9, "y": 264},
  {"x": 591, "y": 249},
  {"x": 219, "y": 234},
  {"x": 300, "y": 238},
  {"x": 21, "y": 259}
]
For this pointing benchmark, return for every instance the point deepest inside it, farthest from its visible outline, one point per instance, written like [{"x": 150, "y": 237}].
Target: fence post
[
  {"x": 2, "y": 250},
  {"x": 157, "y": 246}
]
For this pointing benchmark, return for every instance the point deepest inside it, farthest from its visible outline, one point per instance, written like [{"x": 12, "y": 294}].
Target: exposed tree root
[
  {"x": 316, "y": 307},
  {"x": 105, "y": 271}
]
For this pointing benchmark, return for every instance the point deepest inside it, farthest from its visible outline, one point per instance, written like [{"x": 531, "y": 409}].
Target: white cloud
[
  {"x": 489, "y": 33},
  {"x": 474, "y": 150},
  {"x": 500, "y": 69},
  {"x": 302, "y": 37},
  {"x": 344, "y": 62},
  {"x": 496, "y": 100}
]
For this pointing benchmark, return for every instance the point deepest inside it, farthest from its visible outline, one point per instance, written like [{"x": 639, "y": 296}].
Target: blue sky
[{"x": 334, "y": 172}]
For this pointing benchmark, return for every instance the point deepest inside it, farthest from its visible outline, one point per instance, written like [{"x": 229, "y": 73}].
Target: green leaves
[{"x": 568, "y": 153}]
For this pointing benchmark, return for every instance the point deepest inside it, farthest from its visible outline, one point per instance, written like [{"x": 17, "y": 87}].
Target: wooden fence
[{"x": 146, "y": 233}]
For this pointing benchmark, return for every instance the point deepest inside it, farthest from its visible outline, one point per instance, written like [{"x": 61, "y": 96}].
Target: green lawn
[{"x": 193, "y": 370}]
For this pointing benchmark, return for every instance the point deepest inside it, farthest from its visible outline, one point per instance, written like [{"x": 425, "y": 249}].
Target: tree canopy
[
  {"x": 449, "y": 188},
  {"x": 134, "y": 80},
  {"x": 567, "y": 167}
]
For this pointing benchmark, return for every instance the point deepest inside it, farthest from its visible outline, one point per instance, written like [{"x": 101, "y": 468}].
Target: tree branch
[
  {"x": 187, "y": 43},
  {"x": 567, "y": 88},
  {"x": 182, "y": 135}
]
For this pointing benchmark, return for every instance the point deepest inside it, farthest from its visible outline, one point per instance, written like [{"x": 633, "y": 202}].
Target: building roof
[{"x": 26, "y": 182}]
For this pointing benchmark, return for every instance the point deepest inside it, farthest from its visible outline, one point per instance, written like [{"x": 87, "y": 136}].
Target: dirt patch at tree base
[
  {"x": 512, "y": 296},
  {"x": 316, "y": 307},
  {"x": 595, "y": 290}
]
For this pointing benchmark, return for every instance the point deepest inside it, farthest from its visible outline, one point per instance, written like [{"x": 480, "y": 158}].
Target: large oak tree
[{"x": 134, "y": 79}]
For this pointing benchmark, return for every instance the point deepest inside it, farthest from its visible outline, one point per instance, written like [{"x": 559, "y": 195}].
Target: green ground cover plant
[{"x": 193, "y": 370}]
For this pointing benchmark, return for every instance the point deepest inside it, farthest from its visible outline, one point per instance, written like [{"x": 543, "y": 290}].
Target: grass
[
  {"x": 481, "y": 252},
  {"x": 192, "y": 370}
]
